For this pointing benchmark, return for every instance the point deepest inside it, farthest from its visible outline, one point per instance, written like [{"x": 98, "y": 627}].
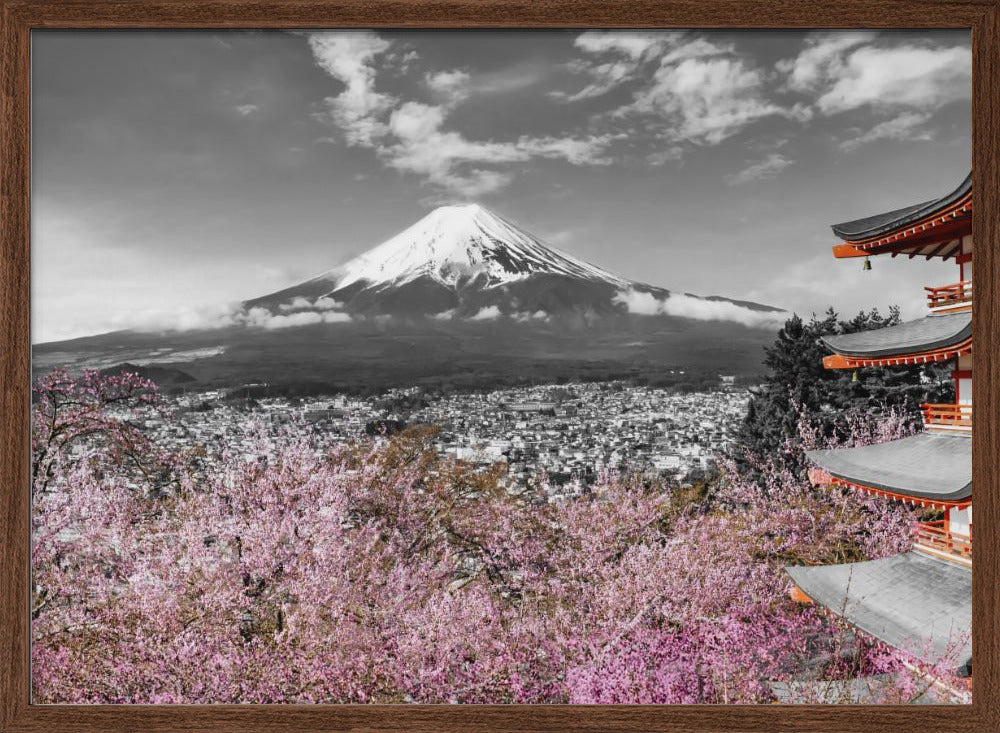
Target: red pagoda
[{"x": 919, "y": 601}]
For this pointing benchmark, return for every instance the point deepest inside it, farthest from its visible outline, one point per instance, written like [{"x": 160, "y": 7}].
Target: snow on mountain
[
  {"x": 454, "y": 245},
  {"x": 467, "y": 262}
]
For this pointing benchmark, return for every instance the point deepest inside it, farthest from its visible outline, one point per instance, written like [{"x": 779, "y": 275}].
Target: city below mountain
[{"x": 461, "y": 297}]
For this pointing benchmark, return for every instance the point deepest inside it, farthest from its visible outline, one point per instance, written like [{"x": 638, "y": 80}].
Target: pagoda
[{"x": 919, "y": 601}]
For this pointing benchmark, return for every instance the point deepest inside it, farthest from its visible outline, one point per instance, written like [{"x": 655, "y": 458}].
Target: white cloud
[
  {"x": 327, "y": 304},
  {"x": 415, "y": 121},
  {"x": 348, "y": 56},
  {"x": 906, "y": 126},
  {"x": 451, "y": 161},
  {"x": 605, "y": 76},
  {"x": 295, "y": 304},
  {"x": 628, "y": 51},
  {"x": 847, "y": 70},
  {"x": 700, "y": 92},
  {"x": 246, "y": 110},
  {"x": 687, "y": 306},
  {"x": 451, "y": 86},
  {"x": 640, "y": 303},
  {"x": 179, "y": 319},
  {"x": 489, "y": 313},
  {"x": 705, "y": 100},
  {"x": 769, "y": 167},
  {"x": 906, "y": 76},
  {"x": 821, "y": 58},
  {"x": 633, "y": 45},
  {"x": 445, "y": 315},
  {"x": 305, "y": 318},
  {"x": 230, "y": 315},
  {"x": 410, "y": 136}
]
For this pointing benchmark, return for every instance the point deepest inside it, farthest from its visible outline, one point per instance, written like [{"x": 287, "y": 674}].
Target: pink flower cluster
[{"x": 382, "y": 574}]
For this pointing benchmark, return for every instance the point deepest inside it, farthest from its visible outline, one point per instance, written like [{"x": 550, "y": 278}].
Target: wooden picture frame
[{"x": 19, "y": 17}]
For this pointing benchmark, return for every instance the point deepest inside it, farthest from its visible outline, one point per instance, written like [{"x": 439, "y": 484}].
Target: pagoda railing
[
  {"x": 934, "y": 538},
  {"x": 950, "y": 296},
  {"x": 947, "y": 416}
]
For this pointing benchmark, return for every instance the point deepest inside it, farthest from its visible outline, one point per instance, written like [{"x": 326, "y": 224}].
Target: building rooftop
[
  {"x": 935, "y": 331},
  {"x": 912, "y": 602},
  {"x": 934, "y": 466},
  {"x": 881, "y": 224}
]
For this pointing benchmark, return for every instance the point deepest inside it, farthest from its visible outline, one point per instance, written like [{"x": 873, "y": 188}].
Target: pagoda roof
[
  {"x": 872, "y": 226},
  {"x": 930, "y": 228},
  {"x": 932, "y": 466},
  {"x": 934, "y": 332},
  {"x": 910, "y": 601}
]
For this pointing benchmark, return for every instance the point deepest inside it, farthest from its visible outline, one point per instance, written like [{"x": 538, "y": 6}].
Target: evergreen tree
[{"x": 798, "y": 385}]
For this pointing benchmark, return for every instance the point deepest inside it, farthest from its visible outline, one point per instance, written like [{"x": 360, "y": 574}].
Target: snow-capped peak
[{"x": 457, "y": 244}]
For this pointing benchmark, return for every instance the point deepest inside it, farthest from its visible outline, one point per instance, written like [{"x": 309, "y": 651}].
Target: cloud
[
  {"x": 298, "y": 303},
  {"x": 633, "y": 45},
  {"x": 848, "y": 70},
  {"x": 450, "y": 86},
  {"x": 349, "y": 56},
  {"x": 245, "y": 110},
  {"x": 451, "y": 161},
  {"x": 821, "y": 58},
  {"x": 904, "y": 127},
  {"x": 906, "y": 76},
  {"x": 628, "y": 51},
  {"x": 605, "y": 76},
  {"x": 179, "y": 319},
  {"x": 410, "y": 136},
  {"x": 327, "y": 304},
  {"x": 699, "y": 92},
  {"x": 640, "y": 303},
  {"x": 688, "y": 306},
  {"x": 769, "y": 167},
  {"x": 704, "y": 100},
  {"x": 228, "y": 315},
  {"x": 489, "y": 313},
  {"x": 305, "y": 318}
]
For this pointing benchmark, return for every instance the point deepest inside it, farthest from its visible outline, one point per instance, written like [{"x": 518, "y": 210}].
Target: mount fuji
[
  {"x": 463, "y": 297},
  {"x": 464, "y": 260}
]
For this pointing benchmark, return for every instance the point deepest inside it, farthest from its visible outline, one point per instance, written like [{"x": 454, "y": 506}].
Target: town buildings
[{"x": 570, "y": 434}]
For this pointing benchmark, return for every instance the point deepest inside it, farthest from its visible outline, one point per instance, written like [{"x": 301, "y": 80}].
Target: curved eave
[
  {"x": 820, "y": 477},
  {"x": 910, "y": 601},
  {"x": 934, "y": 469},
  {"x": 932, "y": 338},
  {"x": 841, "y": 361},
  {"x": 931, "y": 224}
]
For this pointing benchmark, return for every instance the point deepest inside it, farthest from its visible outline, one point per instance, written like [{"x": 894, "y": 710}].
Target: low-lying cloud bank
[
  {"x": 304, "y": 312},
  {"x": 298, "y": 312},
  {"x": 491, "y": 313},
  {"x": 687, "y": 306}
]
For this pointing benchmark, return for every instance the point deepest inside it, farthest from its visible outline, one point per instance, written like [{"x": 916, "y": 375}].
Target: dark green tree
[{"x": 797, "y": 385}]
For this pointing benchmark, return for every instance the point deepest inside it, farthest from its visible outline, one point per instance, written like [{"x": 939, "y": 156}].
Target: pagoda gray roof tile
[
  {"x": 873, "y": 226},
  {"x": 911, "y": 601},
  {"x": 926, "y": 465},
  {"x": 931, "y": 332}
]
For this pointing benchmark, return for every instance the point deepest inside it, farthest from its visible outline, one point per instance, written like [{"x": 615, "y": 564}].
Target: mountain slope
[
  {"x": 463, "y": 260},
  {"x": 462, "y": 297}
]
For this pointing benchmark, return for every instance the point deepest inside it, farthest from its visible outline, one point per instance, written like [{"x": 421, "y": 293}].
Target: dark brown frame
[{"x": 20, "y": 16}]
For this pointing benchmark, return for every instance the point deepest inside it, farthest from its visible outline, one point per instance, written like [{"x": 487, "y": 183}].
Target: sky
[{"x": 175, "y": 173}]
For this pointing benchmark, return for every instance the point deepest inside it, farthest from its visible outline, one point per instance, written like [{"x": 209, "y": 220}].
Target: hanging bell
[{"x": 867, "y": 266}]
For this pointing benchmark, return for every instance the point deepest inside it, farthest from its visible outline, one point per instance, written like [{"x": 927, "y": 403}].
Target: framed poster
[{"x": 493, "y": 366}]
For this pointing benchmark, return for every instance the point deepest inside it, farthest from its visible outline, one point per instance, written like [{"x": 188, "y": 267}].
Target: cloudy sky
[{"x": 177, "y": 172}]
